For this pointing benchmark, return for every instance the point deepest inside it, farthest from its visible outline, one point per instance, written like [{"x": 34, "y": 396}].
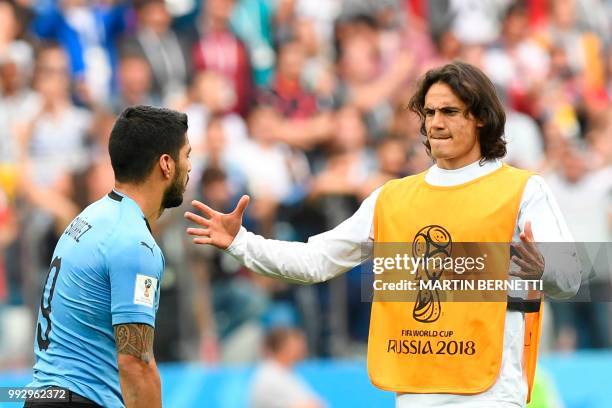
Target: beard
[{"x": 173, "y": 196}]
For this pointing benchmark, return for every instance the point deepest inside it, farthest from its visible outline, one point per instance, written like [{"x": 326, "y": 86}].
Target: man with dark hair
[
  {"x": 275, "y": 383},
  {"x": 166, "y": 52},
  {"x": 468, "y": 195},
  {"x": 478, "y": 95},
  {"x": 94, "y": 336}
]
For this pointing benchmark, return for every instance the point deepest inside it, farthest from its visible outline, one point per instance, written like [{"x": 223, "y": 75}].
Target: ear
[
  {"x": 166, "y": 165},
  {"x": 480, "y": 123}
]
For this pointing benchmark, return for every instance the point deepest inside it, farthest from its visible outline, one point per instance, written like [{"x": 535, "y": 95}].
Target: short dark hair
[
  {"x": 140, "y": 136},
  {"x": 212, "y": 175},
  {"x": 141, "y": 4},
  {"x": 516, "y": 7},
  {"x": 47, "y": 45},
  {"x": 474, "y": 89},
  {"x": 277, "y": 337}
]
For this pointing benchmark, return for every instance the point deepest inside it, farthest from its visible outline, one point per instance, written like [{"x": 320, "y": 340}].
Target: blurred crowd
[{"x": 301, "y": 104}]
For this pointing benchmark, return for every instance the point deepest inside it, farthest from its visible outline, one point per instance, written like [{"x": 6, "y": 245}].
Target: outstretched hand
[
  {"x": 529, "y": 258},
  {"x": 219, "y": 229}
]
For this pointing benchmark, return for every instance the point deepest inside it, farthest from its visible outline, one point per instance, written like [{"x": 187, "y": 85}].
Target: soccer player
[
  {"x": 468, "y": 195},
  {"x": 94, "y": 335}
]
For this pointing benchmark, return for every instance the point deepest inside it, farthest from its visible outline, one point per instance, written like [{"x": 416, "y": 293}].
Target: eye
[{"x": 429, "y": 112}]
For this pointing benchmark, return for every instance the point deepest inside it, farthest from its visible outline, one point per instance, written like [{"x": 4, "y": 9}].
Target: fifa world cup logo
[
  {"x": 431, "y": 243},
  {"x": 148, "y": 283}
]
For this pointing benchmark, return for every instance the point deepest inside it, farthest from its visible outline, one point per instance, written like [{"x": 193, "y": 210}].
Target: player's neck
[
  {"x": 147, "y": 198},
  {"x": 458, "y": 163}
]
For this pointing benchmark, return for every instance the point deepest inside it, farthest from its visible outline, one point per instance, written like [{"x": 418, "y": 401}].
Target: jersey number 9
[{"x": 43, "y": 341}]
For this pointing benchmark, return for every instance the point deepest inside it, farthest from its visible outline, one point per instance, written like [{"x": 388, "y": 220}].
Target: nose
[{"x": 437, "y": 121}]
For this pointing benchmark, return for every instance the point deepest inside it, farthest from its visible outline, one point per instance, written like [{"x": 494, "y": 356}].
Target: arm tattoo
[{"x": 135, "y": 340}]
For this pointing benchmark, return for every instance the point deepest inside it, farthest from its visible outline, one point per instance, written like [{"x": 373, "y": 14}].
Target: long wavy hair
[{"x": 474, "y": 89}]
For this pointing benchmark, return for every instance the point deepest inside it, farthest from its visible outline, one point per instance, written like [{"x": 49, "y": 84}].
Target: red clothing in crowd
[
  {"x": 223, "y": 53},
  {"x": 289, "y": 99}
]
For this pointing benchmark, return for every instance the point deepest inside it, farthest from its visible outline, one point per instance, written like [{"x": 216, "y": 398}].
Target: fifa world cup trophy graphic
[
  {"x": 148, "y": 284},
  {"x": 432, "y": 244}
]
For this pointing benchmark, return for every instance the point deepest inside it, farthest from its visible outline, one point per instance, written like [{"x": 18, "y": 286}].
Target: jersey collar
[
  {"x": 117, "y": 196},
  {"x": 444, "y": 178}
]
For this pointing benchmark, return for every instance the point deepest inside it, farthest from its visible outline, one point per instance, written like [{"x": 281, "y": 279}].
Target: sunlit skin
[
  {"x": 452, "y": 134},
  {"x": 185, "y": 164},
  {"x": 169, "y": 174},
  {"x": 173, "y": 196}
]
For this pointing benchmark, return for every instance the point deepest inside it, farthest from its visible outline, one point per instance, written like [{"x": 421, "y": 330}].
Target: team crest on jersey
[{"x": 144, "y": 290}]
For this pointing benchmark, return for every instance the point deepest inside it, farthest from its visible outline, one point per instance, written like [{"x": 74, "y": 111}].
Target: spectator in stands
[
  {"x": 301, "y": 122},
  {"x": 52, "y": 141},
  {"x": 219, "y": 50},
  {"x": 17, "y": 99},
  {"x": 364, "y": 87},
  {"x": 13, "y": 22},
  {"x": 275, "y": 385},
  {"x": 225, "y": 301},
  {"x": 223, "y": 151},
  {"x": 583, "y": 49},
  {"x": 391, "y": 154},
  {"x": 211, "y": 97},
  {"x": 88, "y": 31},
  {"x": 524, "y": 141},
  {"x": 585, "y": 198},
  {"x": 516, "y": 62},
  {"x": 254, "y": 22},
  {"x": 287, "y": 95},
  {"x": 349, "y": 163},
  {"x": 135, "y": 81},
  {"x": 271, "y": 168},
  {"x": 166, "y": 52}
]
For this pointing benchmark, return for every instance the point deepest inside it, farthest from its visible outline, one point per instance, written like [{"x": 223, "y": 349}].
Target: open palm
[
  {"x": 529, "y": 257},
  {"x": 219, "y": 229}
]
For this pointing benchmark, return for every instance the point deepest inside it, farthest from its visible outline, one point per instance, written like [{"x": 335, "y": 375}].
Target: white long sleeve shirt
[{"x": 331, "y": 253}]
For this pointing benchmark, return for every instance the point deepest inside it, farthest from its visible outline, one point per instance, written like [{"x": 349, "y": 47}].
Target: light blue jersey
[{"x": 106, "y": 270}]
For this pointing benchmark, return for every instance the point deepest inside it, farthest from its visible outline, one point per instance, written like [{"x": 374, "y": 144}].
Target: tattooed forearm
[{"x": 135, "y": 340}]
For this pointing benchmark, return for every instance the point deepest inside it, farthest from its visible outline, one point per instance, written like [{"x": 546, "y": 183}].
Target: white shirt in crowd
[
  {"x": 275, "y": 386},
  {"x": 586, "y": 203},
  {"x": 57, "y": 145}
]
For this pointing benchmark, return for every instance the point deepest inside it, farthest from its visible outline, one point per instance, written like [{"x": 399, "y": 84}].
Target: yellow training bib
[{"x": 431, "y": 346}]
